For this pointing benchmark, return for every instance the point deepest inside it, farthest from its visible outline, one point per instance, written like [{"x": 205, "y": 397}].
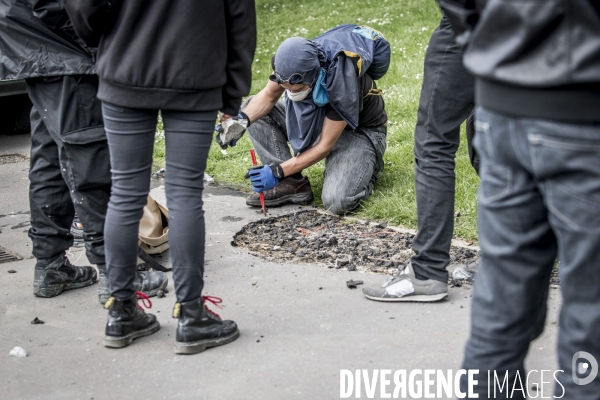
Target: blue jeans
[
  {"x": 351, "y": 168},
  {"x": 446, "y": 101},
  {"x": 539, "y": 199},
  {"x": 130, "y": 134}
]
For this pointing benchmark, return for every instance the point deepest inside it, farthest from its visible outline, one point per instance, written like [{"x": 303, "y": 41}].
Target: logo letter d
[{"x": 574, "y": 368}]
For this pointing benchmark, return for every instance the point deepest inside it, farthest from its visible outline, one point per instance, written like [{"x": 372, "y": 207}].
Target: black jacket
[
  {"x": 37, "y": 39},
  {"x": 533, "y": 58},
  {"x": 187, "y": 55}
]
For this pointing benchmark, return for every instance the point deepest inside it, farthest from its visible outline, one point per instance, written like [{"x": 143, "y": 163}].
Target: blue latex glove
[{"x": 262, "y": 178}]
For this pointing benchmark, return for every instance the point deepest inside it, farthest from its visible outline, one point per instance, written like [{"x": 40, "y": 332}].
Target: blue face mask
[{"x": 320, "y": 95}]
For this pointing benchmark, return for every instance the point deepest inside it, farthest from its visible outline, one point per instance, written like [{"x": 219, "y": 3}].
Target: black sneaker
[
  {"x": 77, "y": 229},
  {"x": 54, "y": 278},
  {"x": 147, "y": 282},
  {"x": 199, "y": 328},
  {"x": 127, "y": 321},
  {"x": 290, "y": 190}
]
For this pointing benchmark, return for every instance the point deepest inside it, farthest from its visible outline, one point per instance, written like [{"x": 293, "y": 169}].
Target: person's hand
[
  {"x": 225, "y": 117},
  {"x": 231, "y": 129},
  {"x": 262, "y": 178}
]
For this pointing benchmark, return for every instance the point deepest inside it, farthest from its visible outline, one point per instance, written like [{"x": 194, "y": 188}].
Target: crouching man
[{"x": 331, "y": 110}]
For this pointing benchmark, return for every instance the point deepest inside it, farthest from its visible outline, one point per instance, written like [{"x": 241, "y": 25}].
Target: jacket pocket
[{"x": 87, "y": 152}]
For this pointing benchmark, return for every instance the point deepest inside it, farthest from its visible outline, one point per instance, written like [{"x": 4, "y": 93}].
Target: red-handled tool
[{"x": 261, "y": 194}]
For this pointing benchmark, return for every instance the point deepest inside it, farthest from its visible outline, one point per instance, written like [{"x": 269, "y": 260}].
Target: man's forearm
[
  {"x": 263, "y": 102},
  {"x": 329, "y": 136},
  {"x": 304, "y": 160}
]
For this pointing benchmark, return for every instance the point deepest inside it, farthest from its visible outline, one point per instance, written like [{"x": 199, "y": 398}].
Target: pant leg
[
  {"x": 566, "y": 159},
  {"x": 518, "y": 246},
  {"x": 130, "y": 134},
  {"x": 188, "y": 138},
  {"x": 269, "y": 135},
  {"x": 351, "y": 170},
  {"x": 49, "y": 200},
  {"x": 445, "y": 102},
  {"x": 70, "y": 114}
]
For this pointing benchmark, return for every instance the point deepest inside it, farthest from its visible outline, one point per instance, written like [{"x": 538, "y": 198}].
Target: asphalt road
[{"x": 300, "y": 325}]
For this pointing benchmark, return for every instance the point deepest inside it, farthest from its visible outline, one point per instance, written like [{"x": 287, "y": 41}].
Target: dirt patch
[
  {"x": 334, "y": 242},
  {"x": 13, "y": 158}
]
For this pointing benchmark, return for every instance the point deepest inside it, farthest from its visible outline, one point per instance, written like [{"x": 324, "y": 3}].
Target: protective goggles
[{"x": 294, "y": 79}]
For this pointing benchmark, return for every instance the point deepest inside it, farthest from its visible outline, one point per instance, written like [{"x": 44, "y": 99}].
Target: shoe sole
[
  {"x": 124, "y": 341},
  {"x": 201, "y": 345},
  {"x": 290, "y": 198},
  {"x": 55, "y": 290},
  {"x": 417, "y": 298}
]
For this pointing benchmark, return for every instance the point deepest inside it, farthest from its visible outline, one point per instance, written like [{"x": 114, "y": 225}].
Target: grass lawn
[{"x": 407, "y": 24}]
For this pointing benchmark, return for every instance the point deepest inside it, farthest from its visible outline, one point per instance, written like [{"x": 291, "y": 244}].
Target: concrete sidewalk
[{"x": 300, "y": 324}]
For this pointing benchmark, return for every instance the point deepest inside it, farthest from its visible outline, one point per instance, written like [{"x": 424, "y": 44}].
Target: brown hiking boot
[{"x": 290, "y": 190}]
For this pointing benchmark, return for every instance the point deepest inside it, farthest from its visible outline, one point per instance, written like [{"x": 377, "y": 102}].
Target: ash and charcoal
[
  {"x": 352, "y": 284},
  {"x": 13, "y": 158},
  {"x": 333, "y": 242}
]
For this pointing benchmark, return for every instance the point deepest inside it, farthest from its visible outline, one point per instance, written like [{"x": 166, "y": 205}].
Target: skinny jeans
[{"x": 130, "y": 133}]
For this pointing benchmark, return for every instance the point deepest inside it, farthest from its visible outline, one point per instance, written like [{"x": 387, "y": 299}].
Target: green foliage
[{"x": 407, "y": 24}]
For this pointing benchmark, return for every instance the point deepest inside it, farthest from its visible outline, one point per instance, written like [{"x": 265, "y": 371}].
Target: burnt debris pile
[{"x": 334, "y": 242}]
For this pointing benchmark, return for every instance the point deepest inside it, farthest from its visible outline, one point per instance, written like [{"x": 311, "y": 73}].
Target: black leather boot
[
  {"x": 200, "y": 328},
  {"x": 148, "y": 282},
  {"x": 53, "y": 278},
  {"x": 127, "y": 321}
]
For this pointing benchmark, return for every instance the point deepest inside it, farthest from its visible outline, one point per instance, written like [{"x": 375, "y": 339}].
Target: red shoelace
[
  {"x": 215, "y": 300},
  {"x": 145, "y": 300}
]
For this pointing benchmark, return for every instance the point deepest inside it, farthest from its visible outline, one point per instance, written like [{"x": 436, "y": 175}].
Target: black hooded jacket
[
  {"x": 37, "y": 39},
  {"x": 186, "y": 55},
  {"x": 532, "y": 58}
]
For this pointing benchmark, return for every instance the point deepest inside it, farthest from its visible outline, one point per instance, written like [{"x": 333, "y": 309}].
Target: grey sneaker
[
  {"x": 147, "y": 282},
  {"x": 406, "y": 287}
]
